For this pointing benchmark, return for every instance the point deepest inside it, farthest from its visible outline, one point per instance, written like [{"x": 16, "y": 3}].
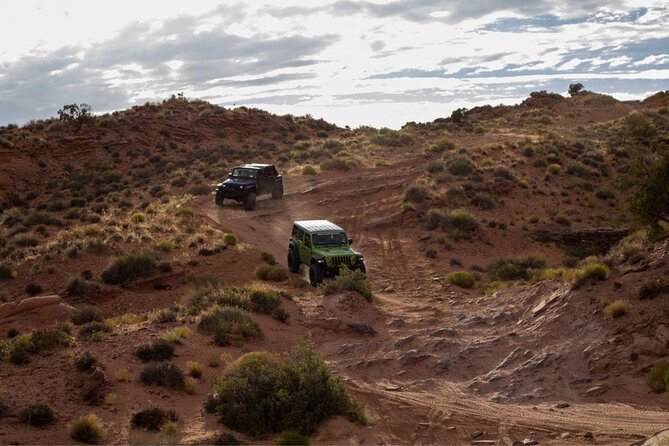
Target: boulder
[{"x": 34, "y": 312}]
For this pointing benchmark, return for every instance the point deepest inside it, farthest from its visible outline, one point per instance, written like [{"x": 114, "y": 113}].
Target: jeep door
[
  {"x": 264, "y": 186},
  {"x": 305, "y": 248}
]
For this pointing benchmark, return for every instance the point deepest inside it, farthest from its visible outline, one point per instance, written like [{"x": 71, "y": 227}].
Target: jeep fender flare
[{"x": 318, "y": 259}]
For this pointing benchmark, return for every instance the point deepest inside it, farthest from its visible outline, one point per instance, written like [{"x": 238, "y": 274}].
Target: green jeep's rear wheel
[
  {"x": 293, "y": 261},
  {"x": 315, "y": 274}
]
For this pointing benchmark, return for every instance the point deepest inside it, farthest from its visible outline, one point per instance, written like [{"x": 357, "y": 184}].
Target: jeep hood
[
  {"x": 334, "y": 250},
  {"x": 236, "y": 182}
]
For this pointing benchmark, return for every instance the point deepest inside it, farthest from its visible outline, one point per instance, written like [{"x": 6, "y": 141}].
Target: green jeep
[{"x": 324, "y": 247}]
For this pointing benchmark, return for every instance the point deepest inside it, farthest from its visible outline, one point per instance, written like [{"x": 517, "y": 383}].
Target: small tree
[
  {"x": 76, "y": 114},
  {"x": 575, "y": 89},
  {"x": 458, "y": 115},
  {"x": 651, "y": 200}
]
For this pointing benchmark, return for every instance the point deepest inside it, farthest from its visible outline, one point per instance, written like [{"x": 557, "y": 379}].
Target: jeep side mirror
[
  {"x": 229, "y": 174},
  {"x": 350, "y": 241}
]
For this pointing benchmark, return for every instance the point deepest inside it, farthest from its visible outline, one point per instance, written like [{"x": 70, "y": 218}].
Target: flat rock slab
[{"x": 34, "y": 312}]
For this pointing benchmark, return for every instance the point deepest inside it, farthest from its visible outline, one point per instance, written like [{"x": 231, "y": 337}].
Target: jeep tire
[
  {"x": 250, "y": 201},
  {"x": 361, "y": 267},
  {"x": 277, "y": 191},
  {"x": 315, "y": 274},
  {"x": 218, "y": 200},
  {"x": 293, "y": 260}
]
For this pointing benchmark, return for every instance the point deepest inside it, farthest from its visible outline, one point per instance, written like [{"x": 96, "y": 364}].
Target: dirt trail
[{"x": 448, "y": 362}]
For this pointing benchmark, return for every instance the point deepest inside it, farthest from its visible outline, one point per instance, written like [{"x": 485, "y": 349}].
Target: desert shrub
[
  {"x": 336, "y": 164},
  {"x": 515, "y": 269},
  {"x": 129, "y": 267},
  {"x": 435, "y": 166},
  {"x": 281, "y": 315},
  {"x": 37, "y": 415},
  {"x": 159, "y": 350},
  {"x": 177, "y": 335},
  {"x": 591, "y": 272},
  {"x": 85, "y": 362},
  {"x": 165, "y": 245},
  {"x": 459, "y": 166},
  {"x": 229, "y": 321},
  {"x": 258, "y": 298},
  {"x": 194, "y": 369},
  {"x": 415, "y": 194},
  {"x": 653, "y": 289},
  {"x": 490, "y": 288},
  {"x": 554, "y": 169},
  {"x": 230, "y": 239},
  {"x": 33, "y": 289},
  {"x": 19, "y": 348},
  {"x": 199, "y": 189},
  {"x": 26, "y": 241},
  {"x": 657, "y": 377},
  {"x": 348, "y": 280},
  {"x": 262, "y": 394},
  {"x": 87, "y": 429},
  {"x": 163, "y": 374},
  {"x": 308, "y": 169},
  {"x": 163, "y": 316},
  {"x": 268, "y": 258},
  {"x": 152, "y": 418},
  {"x": 605, "y": 194},
  {"x": 184, "y": 212},
  {"x": 617, "y": 308},
  {"x": 78, "y": 286},
  {"x": 503, "y": 172},
  {"x": 90, "y": 329},
  {"x": 138, "y": 217},
  {"x": 460, "y": 220},
  {"x": 225, "y": 439},
  {"x": 561, "y": 220},
  {"x": 7, "y": 271},
  {"x": 442, "y": 146},
  {"x": 290, "y": 438},
  {"x": 274, "y": 273},
  {"x": 462, "y": 279},
  {"x": 483, "y": 201}
]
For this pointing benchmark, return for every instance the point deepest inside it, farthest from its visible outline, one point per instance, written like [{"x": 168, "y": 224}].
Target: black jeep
[{"x": 246, "y": 182}]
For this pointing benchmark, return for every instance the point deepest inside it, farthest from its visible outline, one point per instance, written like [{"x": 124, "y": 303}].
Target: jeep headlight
[{"x": 320, "y": 260}]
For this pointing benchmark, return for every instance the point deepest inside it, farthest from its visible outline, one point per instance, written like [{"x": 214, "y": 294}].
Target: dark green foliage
[
  {"x": 89, "y": 329},
  {"x": 85, "y": 314},
  {"x": 159, "y": 350},
  {"x": 7, "y": 271},
  {"x": 78, "y": 286},
  {"x": 37, "y": 415},
  {"x": 462, "y": 279},
  {"x": 391, "y": 138},
  {"x": 483, "y": 201},
  {"x": 459, "y": 166},
  {"x": 515, "y": 269},
  {"x": 637, "y": 129},
  {"x": 268, "y": 258},
  {"x": 76, "y": 114},
  {"x": 273, "y": 273},
  {"x": 129, "y": 267},
  {"x": 224, "y": 439},
  {"x": 415, "y": 193},
  {"x": 348, "y": 280},
  {"x": 261, "y": 394},
  {"x": 657, "y": 377},
  {"x": 152, "y": 419},
  {"x": 458, "y": 115},
  {"x": 85, "y": 362},
  {"x": 292, "y": 438},
  {"x": 575, "y": 89},
  {"x": 230, "y": 321},
  {"x": 33, "y": 289},
  {"x": 651, "y": 200},
  {"x": 87, "y": 429},
  {"x": 653, "y": 289},
  {"x": 163, "y": 374}
]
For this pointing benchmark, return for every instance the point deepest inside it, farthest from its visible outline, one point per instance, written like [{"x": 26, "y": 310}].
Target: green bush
[
  {"x": 591, "y": 272},
  {"x": 308, "y": 169},
  {"x": 229, "y": 321},
  {"x": 653, "y": 289},
  {"x": 159, "y": 350},
  {"x": 223, "y": 439},
  {"x": 85, "y": 362},
  {"x": 336, "y": 164},
  {"x": 7, "y": 271},
  {"x": 90, "y": 329},
  {"x": 78, "y": 286},
  {"x": 461, "y": 220},
  {"x": 292, "y": 438},
  {"x": 129, "y": 267},
  {"x": 87, "y": 429},
  {"x": 37, "y": 415},
  {"x": 348, "y": 280},
  {"x": 617, "y": 308},
  {"x": 258, "y": 298},
  {"x": 230, "y": 239},
  {"x": 163, "y": 374},
  {"x": 483, "y": 201},
  {"x": 657, "y": 377},
  {"x": 152, "y": 418},
  {"x": 462, "y": 279},
  {"x": 200, "y": 189},
  {"x": 273, "y": 273},
  {"x": 515, "y": 269},
  {"x": 268, "y": 258},
  {"x": 459, "y": 166},
  {"x": 20, "y": 347},
  {"x": 415, "y": 194},
  {"x": 261, "y": 394}
]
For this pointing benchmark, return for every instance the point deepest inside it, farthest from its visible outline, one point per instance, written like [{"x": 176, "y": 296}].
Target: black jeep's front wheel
[
  {"x": 250, "y": 202},
  {"x": 277, "y": 191},
  {"x": 315, "y": 274},
  {"x": 293, "y": 261},
  {"x": 218, "y": 200}
]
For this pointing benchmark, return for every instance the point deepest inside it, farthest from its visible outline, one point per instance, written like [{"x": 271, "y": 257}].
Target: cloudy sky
[{"x": 353, "y": 63}]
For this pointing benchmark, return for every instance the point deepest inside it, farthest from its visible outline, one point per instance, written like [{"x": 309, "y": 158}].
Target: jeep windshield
[
  {"x": 335, "y": 238},
  {"x": 244, "y": 173}
]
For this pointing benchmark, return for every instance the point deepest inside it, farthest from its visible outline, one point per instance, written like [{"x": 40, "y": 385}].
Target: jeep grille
[{"x": 340, "y": 260}]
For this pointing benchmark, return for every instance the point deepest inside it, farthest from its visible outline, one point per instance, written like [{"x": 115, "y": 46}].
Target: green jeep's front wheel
[
  {"x": 315, "y": 274},
  {"x": 293, "y": 261},
  {"x": 361, "y": 267}
]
